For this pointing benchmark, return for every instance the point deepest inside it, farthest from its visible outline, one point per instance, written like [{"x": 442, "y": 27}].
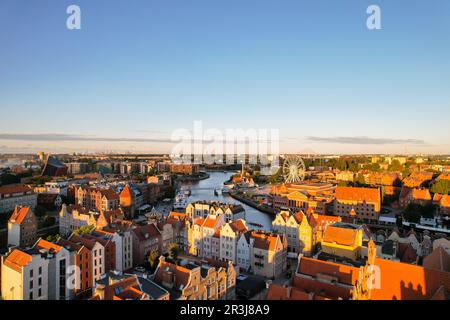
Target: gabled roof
[
  {"x": 358, "y": 194},
  {"x": 14, "y": 189},
  {"x": 126, "y": 192},
  {"x": 181, "y": 275},
  {"x": 445, "y": 201},
  {"x": 238, "y": 226},
  {"x": 343, "y": 236},
  {"x": 146, "y": 232},
  {"x": 421, "y": 194},
  {"x": 88, "y": 243},
  {"x": 211, "y": 221},
  {"x": 403, "y": 281},
  {"x": 177, "y": 215},
  {"x": 439, "y": 259},
  {"x": 265, "y": 240},
  {"x": 46, "y": 245},
  {"x": 20, "y": 214},
  {"x": 17, "y": 259}
]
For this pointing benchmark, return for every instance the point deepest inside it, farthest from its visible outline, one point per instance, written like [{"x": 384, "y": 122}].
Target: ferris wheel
[{"x": 293, "y": 169}]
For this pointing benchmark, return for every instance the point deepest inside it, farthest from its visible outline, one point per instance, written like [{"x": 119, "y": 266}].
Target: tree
[
  {"x": 173, "y": 250},
  {"x": 53, "y": 237},
  {"x": 395, "y": 166},
  {"x": 83, "y": 230},
  {"x": 442, "y": 186},
  {"x": 153, "y": 260}
]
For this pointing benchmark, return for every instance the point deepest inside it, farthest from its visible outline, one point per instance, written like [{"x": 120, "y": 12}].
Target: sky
[{"x": 137, "y": 71}]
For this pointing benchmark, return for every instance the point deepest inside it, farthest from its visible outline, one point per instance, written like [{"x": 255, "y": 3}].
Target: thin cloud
[
  {"x": 367, "y": 140},
  {"x": 68, "y": 137}
]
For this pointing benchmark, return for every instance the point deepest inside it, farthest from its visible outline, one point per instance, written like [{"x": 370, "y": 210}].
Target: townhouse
[
  {"x": 365, "y": 202},
  {"x": 115, "y": 286},
  {"x": 229, "y": 237},
  {"x": 22, "y": 227},
  {"x": 269, "y": 253},
  {"x": 209, "y": 280},
  {"x": 96, "y": 199},
  {"x": 146, "y": 238},
  {"x": 24, "y": 275},
  {"x": 12, "y": 196},
  {"x": 82, "y": 277},
  {"x": 97, "y": 256}
]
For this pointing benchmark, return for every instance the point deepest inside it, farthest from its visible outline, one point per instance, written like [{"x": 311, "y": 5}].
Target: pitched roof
[
  {"x": 146, "y": 232},
  {"x": 126, "y": 192},
  {"x": 421, "y": 194},
  {"x": 50, "y": 246},
  {"x": 181, "y": 275},
  {"x": 238, "y": 226},
  {"x": 439, "y": 259},
  {"x": 343, "y": 236},
  {"x": 264, "y": 240},
  {"x": 445, "y": 201},
  {"x": 358, "y": 194},
  {"x": 177, "y": 215},
  {"x": 19, "y": 214},
  {"x": 279, "y": 292},
  {"x": 109, "y": 194},
  {"x": 14, "y": 189},
  {"x": 210, "y": 221},
  {"x": 403, "y": 281},
  {"x": 17, "y": 259},
  {"x": 312, "y": 267},
  {"x": 88, "y": 243}
]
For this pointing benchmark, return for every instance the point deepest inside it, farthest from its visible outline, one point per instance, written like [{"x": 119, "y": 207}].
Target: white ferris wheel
[{"x": 293, "y": 169}]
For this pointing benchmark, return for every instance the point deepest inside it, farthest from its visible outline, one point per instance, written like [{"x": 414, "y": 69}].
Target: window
[
  {"x": 40, "y": 270},
  {"x": 31, "y": 273}
]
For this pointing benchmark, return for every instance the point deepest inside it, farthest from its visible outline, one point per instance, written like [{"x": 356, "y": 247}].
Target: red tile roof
[
  {"x": 126, "y": 192},
  {"x": 146, "y": 232},
  {"x": 439, "y": 259},
  {"x": 50, "y": 246},
  {"x": 421, "y": 194},
  {"x": 402, "y": 281},
  {"x": 445, "y": 201},
  {"x": 17, "y": 259},
  {"x": 342, "y": 236},
  {"x": 14, "y": 189},
  {"x": 19, "y": 214},
  {"x": 181, "y": 275},
  {"x": 265, "y": 241},
  {"x": 238, "y": 226},
  {"x": 358, "y": 194}
]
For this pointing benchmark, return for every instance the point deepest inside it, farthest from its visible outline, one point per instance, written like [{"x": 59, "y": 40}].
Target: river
[{"x": 204, "y": 190}]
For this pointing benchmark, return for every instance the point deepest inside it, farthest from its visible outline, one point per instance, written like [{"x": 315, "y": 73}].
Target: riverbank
[{"x": 253, "y": 204}]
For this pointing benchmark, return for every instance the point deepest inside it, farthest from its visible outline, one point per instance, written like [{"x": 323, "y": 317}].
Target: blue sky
[{"x": 141, "y": 69}]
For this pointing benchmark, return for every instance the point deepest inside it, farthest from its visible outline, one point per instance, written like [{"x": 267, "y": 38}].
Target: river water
[{"x": 204, "y": 190}]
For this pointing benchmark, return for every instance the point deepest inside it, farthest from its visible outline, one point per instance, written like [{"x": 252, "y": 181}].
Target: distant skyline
[{"x": 138, "y": 70}]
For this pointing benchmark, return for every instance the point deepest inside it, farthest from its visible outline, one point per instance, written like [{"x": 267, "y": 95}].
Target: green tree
[
  {"x": 83, "y": 230},
  {"x": 53, "y": 238},
  {"x": 153, "y": 260},
  {"x": 173, "y": 250},
  {"x": 395, "y": 166},
  {"x": 441, "y": 186}
]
